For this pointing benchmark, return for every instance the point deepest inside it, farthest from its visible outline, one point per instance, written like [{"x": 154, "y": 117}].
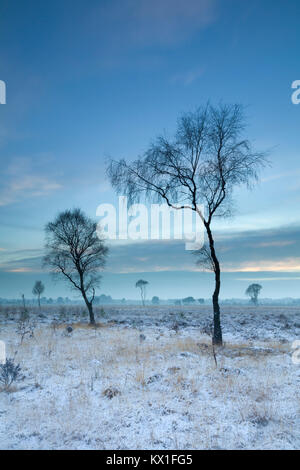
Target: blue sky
[{"x": 87, "y": 80}]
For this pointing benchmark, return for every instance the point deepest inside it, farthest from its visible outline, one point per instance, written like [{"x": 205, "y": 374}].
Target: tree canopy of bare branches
[
  {"x": 75, "y": 251},
  {"x": 253, "y": 291},
  {"x": 202, "y": 164},
  {"x": 37, "y": 290},
  {"x": 141, "y": 284}
]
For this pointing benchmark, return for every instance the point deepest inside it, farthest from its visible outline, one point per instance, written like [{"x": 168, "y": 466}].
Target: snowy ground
[{"x": 168, "y": 392}]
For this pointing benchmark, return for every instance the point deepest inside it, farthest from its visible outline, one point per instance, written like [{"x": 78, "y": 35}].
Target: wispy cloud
[
  {"x": 28, "y": 186},
  {"x": 144, "y": 23},
  {"x": 20, "y": 270},
  {"x": 21, "y": 180},
  {"x": 277, "y": 176},
  {"x": 21, "y": 261},
  {"x": 259, "y": 251},
  {"x": 275, "y": 243},
  {"x": 249, "y": 251},
  {"x": 283, "y": 265},
  {"x": 188, "y": 77}
]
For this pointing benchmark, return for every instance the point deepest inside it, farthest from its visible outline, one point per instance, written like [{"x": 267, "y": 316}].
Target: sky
[{"x": 90, "y": 80}]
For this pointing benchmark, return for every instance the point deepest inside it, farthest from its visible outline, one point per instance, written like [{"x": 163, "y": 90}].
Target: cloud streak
[
  {"x": 143, "y": 23},
  {"x": 253, "y": 251},
  {"x": 188, "y": 77},
  {"x": 21, "y": 181}
]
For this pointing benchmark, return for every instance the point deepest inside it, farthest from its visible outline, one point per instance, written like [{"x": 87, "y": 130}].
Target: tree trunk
[
  {"x": 87, "y": 302},
  {"x": 90, "y": 308},
  {"x": 217, "y": 336},
  {"x": 39, "y": 301},
  {"x": 217, "y": 332},
  {"x": 142, "y": 297},
  {"x": 91, "y": 313}
]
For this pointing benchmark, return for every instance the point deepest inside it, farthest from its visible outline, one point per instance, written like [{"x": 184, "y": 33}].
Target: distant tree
[
  {"x": 155, "y": 300},
  {"x": 141, "y": 284},
  {"x": 75, "y": 251},
  {"x": 201, "y": 301},
  {"x": 253, "y": 291},
  {"x": 188, "y": 300},
  {"x": 103, "y": 299},
  {"x": 23, "y": 301},
  {"x": 203, "y": 164},
  {"x": 37, "y": 290}
]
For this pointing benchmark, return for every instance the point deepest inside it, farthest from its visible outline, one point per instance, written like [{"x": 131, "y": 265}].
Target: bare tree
[
  {"x": 253, "y": 291},
  {"x": 141, "y": 284},
  {"x": 155, "y": 300},
  {"x": 37, "y": 290},
  {"x": 74, "y": 250},
  {"x": 23, "y": 302},
  {"x": 202, "y": 164}
]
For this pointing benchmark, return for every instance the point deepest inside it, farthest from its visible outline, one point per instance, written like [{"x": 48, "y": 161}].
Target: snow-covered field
[{"x": 146, "y": 378}]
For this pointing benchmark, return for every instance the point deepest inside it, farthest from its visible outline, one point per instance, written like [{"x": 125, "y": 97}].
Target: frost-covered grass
[{"x": 110, "y": 388}]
